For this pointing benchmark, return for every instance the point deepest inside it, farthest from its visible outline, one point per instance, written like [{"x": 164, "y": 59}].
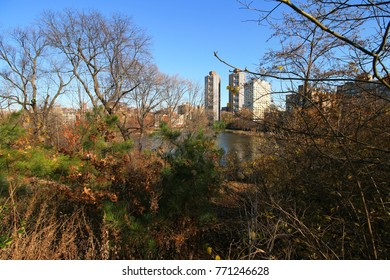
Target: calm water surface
[{"x": 244, "y": 146}]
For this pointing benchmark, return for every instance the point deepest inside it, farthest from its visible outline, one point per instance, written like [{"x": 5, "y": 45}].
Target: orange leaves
[
  {"x": 72, "y": 138},
  {"x": 94, "y": 197}
]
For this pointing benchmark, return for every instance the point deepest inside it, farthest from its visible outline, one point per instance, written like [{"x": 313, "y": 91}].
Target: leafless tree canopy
[
  {"x": 355, "y": 34},
  {"x": 106, "y": 54},
  {"x": 31, "y": 77}
]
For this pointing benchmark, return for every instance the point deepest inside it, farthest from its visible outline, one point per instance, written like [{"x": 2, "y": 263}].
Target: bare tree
[
  {"x": 374, "y": 47},
  {"x": 195, "y": 97},
  {"x": 33, "y": 79},
  {"x": 196, "y": 116},
  {"x": 146, "y": 97},
  {"x": 106, "y": 54},
  {"x": 343, "y": 22},
  {"x": 173, "y": 94},
  {"x": 307, "y": 54}
]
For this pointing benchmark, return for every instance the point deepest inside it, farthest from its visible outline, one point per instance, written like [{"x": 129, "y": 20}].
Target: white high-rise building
[
  {"x": 257, "y": 97},
  {"x": 236, "y": 90},
  {"x": 212, "y": 96}
]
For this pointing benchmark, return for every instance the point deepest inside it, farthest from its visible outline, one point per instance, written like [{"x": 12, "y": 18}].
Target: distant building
[
  {"x": 257, "y": 97},
  {"x": 183, "y": 109},
  {"x": 293, "y": 101},
  {"x": 346, "y": 94},
  {"x": 313, "y": 97},
  {"x": 347, "y": 89},
  {"x": 365, "y": 93},
  {"x": 236, "y": 90},
  {"x": 67, "y": 115},
  {"x": 160, "y": 116},
  {"x": 370, "y": 87},
  {"x": 212, "y": 96}
]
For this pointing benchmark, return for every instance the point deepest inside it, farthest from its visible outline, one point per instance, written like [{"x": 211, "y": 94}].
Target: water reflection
[{"x": 244, "y": 146}]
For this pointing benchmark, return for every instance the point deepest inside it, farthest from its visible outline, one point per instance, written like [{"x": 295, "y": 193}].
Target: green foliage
[
  {"x": 191, "y": 175},
  {"x": 99, "y": 134},
  {"x": 206, "y": 219},
  {"x": 117, "y": 147},
  {"x": 35, "y": 162},
  {"x": 64, "y": 166},
  {"x": 111, "y": 120},
  {"x": 219, "y": 125},
  {"x": 133, "y": 233},
  {"x": 168, "y": 134},
  {"x": 38, "y": 162},
  {"x": 115, "y": 215},
  {"x": 3, "y": 186},
  {"x": 139, "y": 236},
  {"x": 5, "y": 241},
  {"x": 10, "y": 130}
]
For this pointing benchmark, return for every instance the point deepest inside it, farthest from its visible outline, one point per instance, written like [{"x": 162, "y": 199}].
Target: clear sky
[{"x": 184, "y": 33}]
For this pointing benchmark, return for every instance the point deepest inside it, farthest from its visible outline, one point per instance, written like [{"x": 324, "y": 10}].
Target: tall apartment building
[
  {"x": 257, "y": 97},
  {"x": 361, "y": 88},
  {"x": 236, "y": 90},
  {"x": 212, "y": 96},
  {"x": 295, "y": 100}
]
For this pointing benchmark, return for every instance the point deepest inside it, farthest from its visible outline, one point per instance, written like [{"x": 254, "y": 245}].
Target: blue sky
[{"x": 184, "y": 33}]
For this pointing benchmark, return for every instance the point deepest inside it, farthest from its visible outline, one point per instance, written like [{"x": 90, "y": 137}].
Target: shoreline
[{"x": 243, "y": 132}]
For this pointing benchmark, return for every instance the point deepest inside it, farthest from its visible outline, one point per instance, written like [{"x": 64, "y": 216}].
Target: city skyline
[
  {"x": 253, "y": 95},
  {"x": 184, "y": 34}
]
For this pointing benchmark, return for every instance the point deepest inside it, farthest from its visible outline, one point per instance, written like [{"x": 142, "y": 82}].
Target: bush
[
  {"x": 318, "y": 195},
  {"x": 10, "y": 130},
  {"x": 219, "y": 125},
  {"x": 191, "y": 176}
]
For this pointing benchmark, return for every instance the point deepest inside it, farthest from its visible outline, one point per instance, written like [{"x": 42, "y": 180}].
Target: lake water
[{"x": 244, "y": 146}]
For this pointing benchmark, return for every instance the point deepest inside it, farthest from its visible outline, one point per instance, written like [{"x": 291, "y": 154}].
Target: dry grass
[{"x": 38, "y": 229}]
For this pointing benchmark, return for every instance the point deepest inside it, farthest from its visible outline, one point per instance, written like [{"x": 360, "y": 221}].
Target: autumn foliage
[{"x": 95, "y": 190}]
